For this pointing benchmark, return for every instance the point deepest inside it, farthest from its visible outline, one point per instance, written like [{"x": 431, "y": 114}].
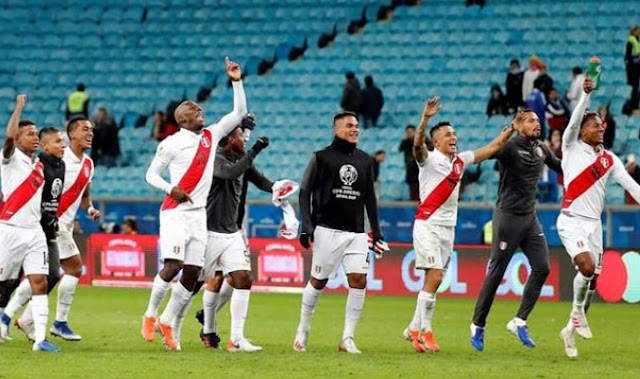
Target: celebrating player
[
  {"x": 433, "y": 231},
  {"x": 515, "y": 223},
  {"x": 21, "y": 237},
  {"x": 586, "y": 166},
  {"x": 183, "y": 225},
  {"x": 52, "y": 146},
  {"x": 336, "y": 189}
]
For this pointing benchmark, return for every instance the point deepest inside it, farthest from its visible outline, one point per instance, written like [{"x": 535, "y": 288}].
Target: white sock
[
  {"x": 587, "y": 300},
  {"x": 417, "y": 317},
  {"x": 27, "y": 316},
  {"x": 179, "y": 320},
  {"x": 355, "y": 303},
  {"x": 580, "y": 287},
  {"x": 226, "y": 290},
  {"x": 66, "y": 289},
  {"x": 310, "y": 297},
  {"x": 209, "y": 303},
  {"x": 239, "y": 309},
  {"x": 519, "y": 322},
  {"x": 40, "y": 310},
  {"x": 21, "y": 297},
  {"x": 180, "y": 296},
  {"x": 428, "y": 302},
  {"x": 158, "y": 292}
]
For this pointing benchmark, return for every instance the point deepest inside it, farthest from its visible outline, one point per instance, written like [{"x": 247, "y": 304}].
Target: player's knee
[
  {"x": 215, "y": 283},
  {"x": 587, "y": 269},
  {"x": 317, "y": 283},
  {"x": 38, "y": 284},
  {"x": 357, "y": 280},
  {"x": 170, "y": 270},
  {"x": 242, "y": 279}
]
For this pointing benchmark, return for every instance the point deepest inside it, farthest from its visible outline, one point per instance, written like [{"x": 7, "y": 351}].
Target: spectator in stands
[
  {"x": 162, "y": 128},
  {"x": 372, "y": 103},
  {"x": 378, "y": 158},
  {"x": 78, "y": 103},
  {"x": 480, "y": 3},
  {"x": 537, "y": 102},
  {"x": 634, "y": 171},
  {"x": 556, "y": 111},
  {"x": 574, "y": 92},
  {"x": 609, "y": 126},
  {"x": 546, "y": 81},
  {"x": 554, "y": 142},
  {"x": 632, "y": 64},
  {"x": 351, "y": 95},
  {"x": 129, "y": 226},
  {"x": 530, "y": 76},
  {"x": 514, "y": 87},
  {"x": 470, "y": 177},
  {"x": 406, "y": 147},
  {"x": 497, "y": 103},
  {"x": 106, "y": 143}
]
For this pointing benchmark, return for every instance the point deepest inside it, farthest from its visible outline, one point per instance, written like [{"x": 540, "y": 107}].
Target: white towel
[
  {"x": 283, "y": 189},
  {"x": 290, "y": 224}
]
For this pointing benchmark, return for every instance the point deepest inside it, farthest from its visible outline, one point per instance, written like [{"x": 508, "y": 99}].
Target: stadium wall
[{"x": 283, "y": 266}]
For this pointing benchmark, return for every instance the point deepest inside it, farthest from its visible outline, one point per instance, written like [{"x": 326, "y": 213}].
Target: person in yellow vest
[
  {"x": 632, "y": 62},
  {"x": 78, "y": 103}
]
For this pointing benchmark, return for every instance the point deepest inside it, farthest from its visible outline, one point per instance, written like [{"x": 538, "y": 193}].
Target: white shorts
[
  {"x": 330, "y": 247},
  {"x": 22, "y": 247},
  {"x": 66, "y": 244},
  {"x": 579, "y": 235},
  {"x": 183, "y": 236},
  {"x": 225, "y": 252},
  {"x": 433, "y": 244}
]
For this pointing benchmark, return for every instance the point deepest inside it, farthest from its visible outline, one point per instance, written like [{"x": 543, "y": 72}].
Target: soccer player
[
  {"x": 226, "y": 248},
  {"x": 439, "y": 175},
  {"x": 336, "y": 188},
  {"x": 52, "y": 146},
  {"x": 515, "y": 223},
  {"x": 21, "y": 236},
  {"x": 76, "y": 193},
  {"x": 183, "y": 220},
  {"x": 586, "y": 166}
]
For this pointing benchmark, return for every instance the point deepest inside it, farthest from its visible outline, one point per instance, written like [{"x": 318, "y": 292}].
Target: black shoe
[
  {"x": 200, "y": 316},
  {"x": 210, "y": 340}
]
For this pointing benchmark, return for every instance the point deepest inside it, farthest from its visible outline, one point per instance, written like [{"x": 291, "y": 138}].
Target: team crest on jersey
[
  {"x": 86, "y": 171},
  {"x": 205, "y": 142},
  {"x": 348, "y": 174},
  {"x": 539, "y": 152},
  {"x": 457, "y": 168},
  {"x": 605, "y": 162},
  {"x": 56, "y": 188}
]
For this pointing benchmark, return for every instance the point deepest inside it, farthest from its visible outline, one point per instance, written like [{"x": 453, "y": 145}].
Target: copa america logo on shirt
[
  {"x": 348, "y": 174},
  {"x": 56, "y": 188},
  {"x": 539, "y": 152}
]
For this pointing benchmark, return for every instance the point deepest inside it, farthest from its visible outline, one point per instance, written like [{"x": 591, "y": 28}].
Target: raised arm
[
  {"x": 229, "y": 121},
  {"x": 490, "y": 150},
  {"x": 551, "y": 160},
  {"x": 623, "y": 178},
  {"x": 258, "y": 179},
  {"x": 420, "y": 152},
  {"x": 227, "y": 170},
  {"x": 572, "y": 131},
  {"x": 12, "y": 127}
]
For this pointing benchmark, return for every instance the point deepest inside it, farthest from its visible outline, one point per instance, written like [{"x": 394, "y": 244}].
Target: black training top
[
  {"x": 336, "y": 188},
  {"x": 51, "y": 192},
  {"x": 520, "y": 162},
  {"x": 226, "y": 189}
]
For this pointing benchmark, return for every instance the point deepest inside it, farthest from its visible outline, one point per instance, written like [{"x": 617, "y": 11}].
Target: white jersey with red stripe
[
  {"x": 73, "y": 167},
  {"x": 181, "y": 152},
  {"x": 434, "y": 174},
  {"x": 14, "y": 171},
  {"x": 586, "y": 170}
]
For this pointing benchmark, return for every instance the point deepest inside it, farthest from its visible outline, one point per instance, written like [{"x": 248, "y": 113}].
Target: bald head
[{"x": 189, "y": 115}]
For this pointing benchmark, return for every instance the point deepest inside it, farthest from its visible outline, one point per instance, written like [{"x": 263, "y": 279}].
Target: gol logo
[{"x": 620, "y": 279}]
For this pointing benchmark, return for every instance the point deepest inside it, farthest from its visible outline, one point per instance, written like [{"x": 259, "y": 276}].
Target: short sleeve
[{"x": 467, "y": 157}]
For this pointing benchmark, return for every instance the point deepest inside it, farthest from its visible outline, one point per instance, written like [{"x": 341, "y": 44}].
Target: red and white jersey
[
  {"x": 439, "y": 178},
  {"x": 22, "y": 183},
  {"x": 586, "y": 171},
  {"x": 78, "y": 173}
]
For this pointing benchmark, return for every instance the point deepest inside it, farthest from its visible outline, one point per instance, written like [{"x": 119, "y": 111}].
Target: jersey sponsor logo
[
  {"x": 587, "y": 178},
  {"x": 441, "y": 192},
  {"x": 56, "y": 188},
  {"x": 348, "y": 174},
  {"x": 23, "y": 193},
  {"x": 195, "y": 171},
  {"x": 77, "y": 188}
]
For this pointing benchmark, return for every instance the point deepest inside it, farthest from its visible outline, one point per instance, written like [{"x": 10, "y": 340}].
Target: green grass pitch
[{"x": 109, "y": 320}]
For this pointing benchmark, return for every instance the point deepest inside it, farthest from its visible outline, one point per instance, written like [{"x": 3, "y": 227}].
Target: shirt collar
[{"x": 443, "y": 157}]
